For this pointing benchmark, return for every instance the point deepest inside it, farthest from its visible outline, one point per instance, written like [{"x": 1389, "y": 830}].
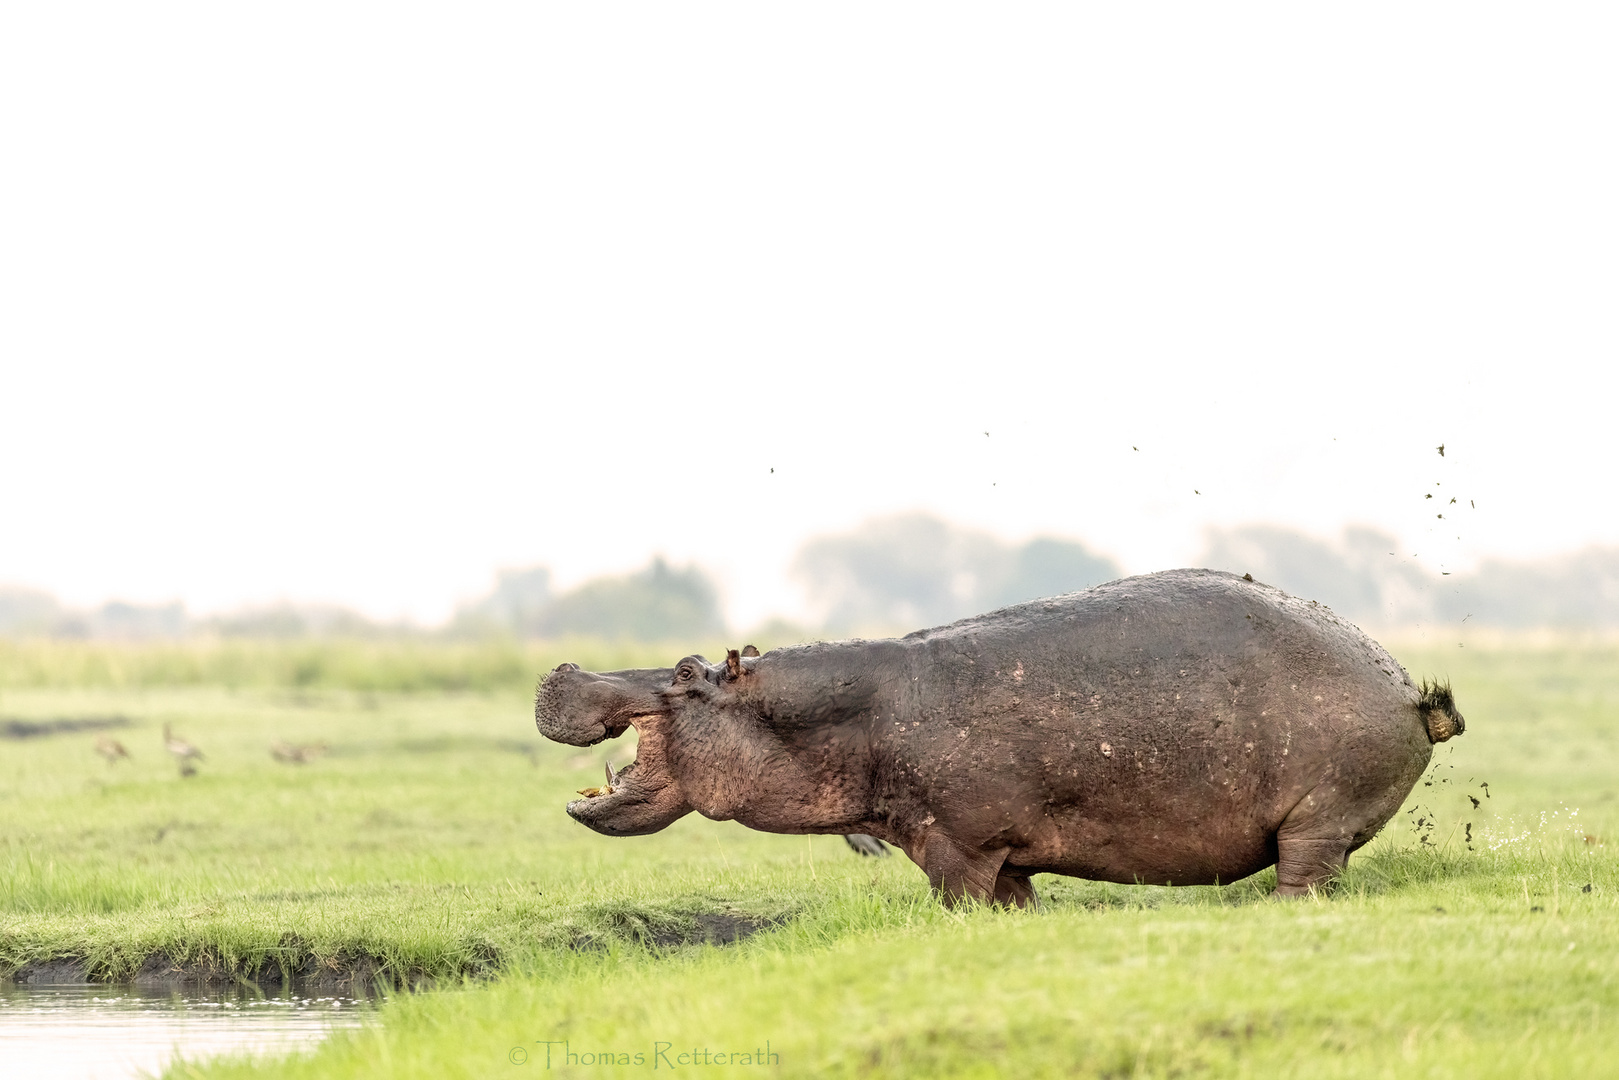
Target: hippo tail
[{"x": 1438, "y": 708}]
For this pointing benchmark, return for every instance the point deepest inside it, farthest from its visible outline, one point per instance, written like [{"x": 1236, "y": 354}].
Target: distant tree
[
  {"x": 913, "y": 570},
  {"x": 905, "y": 570},
  {"x": 659, "y": 603},
  {"x": 298, "y": 621},
  {"x": 32, "y": 612},
  {"x": 1576, "y": 590},
  {"x": 1046, "y": 567},
  {"x": 1361, "y": 576},
  {"x": 280, "y": 621},
  {"x": 29, "y": 612},
  {"x": 517, "y": 606},
  {"x": 1299, "y": 564},
  {"x": 118, "y": 619}
]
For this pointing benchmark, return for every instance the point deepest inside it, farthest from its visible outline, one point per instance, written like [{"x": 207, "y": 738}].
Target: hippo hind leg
[
  {"x": 1303, "y": 863},
  {"x": 1314, "y": 840}
]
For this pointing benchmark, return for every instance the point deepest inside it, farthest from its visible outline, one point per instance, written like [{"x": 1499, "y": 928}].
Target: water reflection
[{"x": 107, "y": 1032}]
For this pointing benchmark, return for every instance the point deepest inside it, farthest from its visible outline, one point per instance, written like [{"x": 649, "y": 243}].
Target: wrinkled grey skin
[{"x": 1184, "y": 728}]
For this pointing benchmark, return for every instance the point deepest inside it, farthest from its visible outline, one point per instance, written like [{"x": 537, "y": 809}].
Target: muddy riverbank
[{"x": 365, "y": 974}]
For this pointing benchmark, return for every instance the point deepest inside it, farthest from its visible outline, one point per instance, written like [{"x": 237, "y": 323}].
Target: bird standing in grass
[
  {"x": 297, "y": 755},
  {"x": 184, "y": 752},
  {"x": 111, "y": 749}
]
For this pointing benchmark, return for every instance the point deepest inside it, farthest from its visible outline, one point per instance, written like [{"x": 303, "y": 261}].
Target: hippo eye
[{"x": 684, "y": 675}]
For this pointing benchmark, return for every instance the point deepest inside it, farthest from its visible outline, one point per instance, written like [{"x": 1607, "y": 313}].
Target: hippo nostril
[{"x": 566, "y": 667}]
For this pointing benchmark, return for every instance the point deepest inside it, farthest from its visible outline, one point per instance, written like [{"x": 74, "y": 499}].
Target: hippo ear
[
  {"x": 749, "y": 650},
  {"x": 733, "y": 664}
]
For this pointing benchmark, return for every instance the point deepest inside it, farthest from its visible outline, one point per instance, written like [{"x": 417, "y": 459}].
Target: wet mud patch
[
  {"x": 350, "y": 976},
  {"x": 33, "y": 729},
  {"x": 67, "y": 971},
  {"x": 160, "y": 971},
  {"x": 669, "y": 928},
  {"x": 292, "y": 967},
  {"x": 716, "y": 929}
]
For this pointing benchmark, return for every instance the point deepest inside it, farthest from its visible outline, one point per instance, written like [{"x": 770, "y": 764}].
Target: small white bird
[{"x": 183, "y": 751}]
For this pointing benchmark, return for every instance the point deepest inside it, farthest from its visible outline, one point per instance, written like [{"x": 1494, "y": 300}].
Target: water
[{"x": 108, "y": 1032}]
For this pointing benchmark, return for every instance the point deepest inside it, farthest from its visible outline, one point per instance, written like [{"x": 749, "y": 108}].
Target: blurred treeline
[
  {"x": 1365, "y": 577},
  {"x": 892, "y": 574}
]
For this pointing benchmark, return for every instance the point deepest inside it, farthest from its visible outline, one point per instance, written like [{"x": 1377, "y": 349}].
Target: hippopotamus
[{"x": 1188, "y": 727}]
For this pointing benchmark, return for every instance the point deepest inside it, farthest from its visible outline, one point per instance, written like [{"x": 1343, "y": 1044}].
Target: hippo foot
[
  {"x": 957, "y": 874},
  {"x": 1015, "y": 890}
]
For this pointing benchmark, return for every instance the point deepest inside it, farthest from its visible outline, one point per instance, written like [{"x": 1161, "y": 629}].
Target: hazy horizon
[
  {"x": 904, "y": 572},
  {"x": 798, "y": 610}
]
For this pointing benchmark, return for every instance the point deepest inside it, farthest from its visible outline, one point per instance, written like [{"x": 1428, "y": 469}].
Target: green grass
[
  {"x": 431, "y": 840},
  {"x": 1364, "y": 984},
  {"x": 389, "y": 664}
]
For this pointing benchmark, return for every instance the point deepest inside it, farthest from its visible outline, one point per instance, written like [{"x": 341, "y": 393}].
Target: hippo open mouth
[
  {"x": 640, "y": 798},
  {"x": 586, "y": 708}
]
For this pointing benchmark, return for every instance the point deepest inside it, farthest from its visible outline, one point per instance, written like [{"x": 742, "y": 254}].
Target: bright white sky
[{"x": 358, "y": 303}]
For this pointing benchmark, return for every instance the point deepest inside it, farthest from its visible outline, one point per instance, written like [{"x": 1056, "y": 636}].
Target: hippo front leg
[
  {"x": 1015, "y": 890},
  {"x": 956, "y": 872}
]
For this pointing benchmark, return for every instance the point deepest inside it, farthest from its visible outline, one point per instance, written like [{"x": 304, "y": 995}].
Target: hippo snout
[
  {"x": 558, "y": 711},
  {"x": 581, "y": 708}
]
